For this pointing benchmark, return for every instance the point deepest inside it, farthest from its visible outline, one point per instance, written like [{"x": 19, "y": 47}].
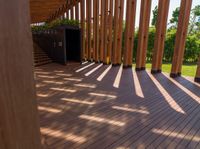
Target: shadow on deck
[{"x": 98, "y": 106}]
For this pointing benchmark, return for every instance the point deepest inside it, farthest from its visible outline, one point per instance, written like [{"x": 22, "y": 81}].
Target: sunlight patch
[
  {"x": 93, "y": 70},
  {"x": 166, "y": 95},
  {"x": 118, "y": 77},
  {"x": 102, "y": 120},
  {"x": 104, "y": 73}
]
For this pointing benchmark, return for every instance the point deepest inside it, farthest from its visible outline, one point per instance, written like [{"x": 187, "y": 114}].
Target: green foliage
[
  {"x": 169, "y": 45},
  {"x": 155, "y": 16},
  {"x": 194, "y": 20},
  {"x": 39, "y": 28},
  {"x": 59, "y": 22},
  {"x": 54, "y": 24},
  {"x": 187, "y": 69},
  {"x": 174, "y": 19}
]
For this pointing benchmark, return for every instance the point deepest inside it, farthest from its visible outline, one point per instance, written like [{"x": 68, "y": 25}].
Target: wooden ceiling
[{"x": 41, "y": 10}]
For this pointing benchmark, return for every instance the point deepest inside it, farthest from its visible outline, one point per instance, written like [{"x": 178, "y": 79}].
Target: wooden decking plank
[{"x": 103, "y": 134}]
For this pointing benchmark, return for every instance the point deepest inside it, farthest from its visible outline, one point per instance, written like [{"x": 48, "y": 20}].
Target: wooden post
[
  {"x": 96, "y": 29},
  {"x": 89, "y": 28},
  {"x": 181, "y": 35},
  {"x": 102, "y": 30},
  {"x": 72, "y": 13},
  {"x": 197, "y": 77},
  {"x": 161, "y": 26},
  {"x": 77, "y": 11},
  {"x": 129, "y": 32},
  {"x": 19, "y": 123},
  {"x": 110, "y": 31},
  {"x": 118, "y": 22},
  {"x": 82, "y": 2},
  {"x": 143, "y": 34},
  {"x": 67, "y": 14},
  {"x": 105, "y": 32}
]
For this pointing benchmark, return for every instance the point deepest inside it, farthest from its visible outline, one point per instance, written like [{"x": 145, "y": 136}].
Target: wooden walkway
[{"x": 96, "y": 106}]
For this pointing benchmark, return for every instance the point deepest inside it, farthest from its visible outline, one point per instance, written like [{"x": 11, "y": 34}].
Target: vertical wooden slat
[
  {"x": 105, "y": 32},
  {"x": 67, "y": 14},
  {"x": 118, "y": 22},
  {"x": 88, "y": 29},
  {"x": 19, "y": 122},
  {"x": 181, "y": 35},
  {"x": 143, "y": 34},
  {"x": 129, "y": 32},
  {"x": 96, "y": 30},
  {"x": 197, "y": 77},
  {"x": 82, "y": 2},
  {"x": 102, "y": 30},
  {"x": 119, "y": 43},
  {"x": 161, "y": 26},
  {"x": 77, "y": 11},
  {"x": 72, "y": 13},
  {"x": 110, "y": 32}
]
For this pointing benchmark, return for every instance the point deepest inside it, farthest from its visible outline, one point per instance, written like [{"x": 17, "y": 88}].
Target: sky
[{"x": 173, "y": 5}]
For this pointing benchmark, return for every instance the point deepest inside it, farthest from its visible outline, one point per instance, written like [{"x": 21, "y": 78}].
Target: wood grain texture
[
  {"x": 19, "y": 124},
  {"x": 145, "y": 12},
  {"x": 129, "y": 32},
  {"x": 111, "y": 118},
  {"x": 161, "y": 26},
  {"x": 181, "y": 35},
  {"x": 82, "y": 3},
  {"x": 198, "y": 69}
]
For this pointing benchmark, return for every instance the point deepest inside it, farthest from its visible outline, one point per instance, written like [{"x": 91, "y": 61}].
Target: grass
[{"x": 187, "y": 69}]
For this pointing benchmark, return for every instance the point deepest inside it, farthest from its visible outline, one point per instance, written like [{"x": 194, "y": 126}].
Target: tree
[
  {"x": 194, "y": 19},
  {"x": 174, "y": 19},
  {"x": 155, "y": 16}
]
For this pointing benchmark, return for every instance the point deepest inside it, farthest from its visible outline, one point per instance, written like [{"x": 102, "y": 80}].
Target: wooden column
[
  {"x": 88, "y": 10},
  {"x": 72, "y": 13},
  {"x": 82, "y": 2},
  {"x": 145, "y": 12},
  {"x": 19, "y": 123},
  {"x": 181, "y": 35},
  {"x": 77, "y": 11},
  {"x": 67, "y": 14},
  {"x": 118, "y": 22},
  {"x": 110, "y": 31},
  {"x": 102, "y": 30},
  {"x": 197, "y": 77},
  {"x": 105, "y": 32},
  {"x": 96, "y": 30},
  {"x": 161, "y": 26},
  {"x": 129, "y": 32}
]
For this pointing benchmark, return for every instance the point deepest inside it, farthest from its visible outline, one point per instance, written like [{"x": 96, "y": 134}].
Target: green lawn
[{"x": 187, "y": 69}]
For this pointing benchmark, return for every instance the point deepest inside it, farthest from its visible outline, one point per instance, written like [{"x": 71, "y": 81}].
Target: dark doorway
[{"x": 73, "y": 45}]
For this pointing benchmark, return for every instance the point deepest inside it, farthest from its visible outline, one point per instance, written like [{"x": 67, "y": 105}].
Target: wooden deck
[{"x": 95, "y": 106}]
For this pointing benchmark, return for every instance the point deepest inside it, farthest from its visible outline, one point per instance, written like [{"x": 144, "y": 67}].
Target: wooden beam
[
  {"x": 77, "y": 11},
  {"x": 161, "y": 27},
  {"x": 145, "y": 12},
  {"x": 88, "y": 29},
  {"x": 96, "y": 29},
  {"x": 72, "y": 13},
  {"x": 102, "y": 25},
  {"x": 129, "y": 32},
  {"x": 118, "y": 22},
  {"x": 83, "y": 28},
  {"x": 181, "y": 35},
  {"x": 19, "y": 122},
  {"x": 197, "y": 77},
  {"x": 110, "y": 31},
  {"x": 105, "y": 32}
]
